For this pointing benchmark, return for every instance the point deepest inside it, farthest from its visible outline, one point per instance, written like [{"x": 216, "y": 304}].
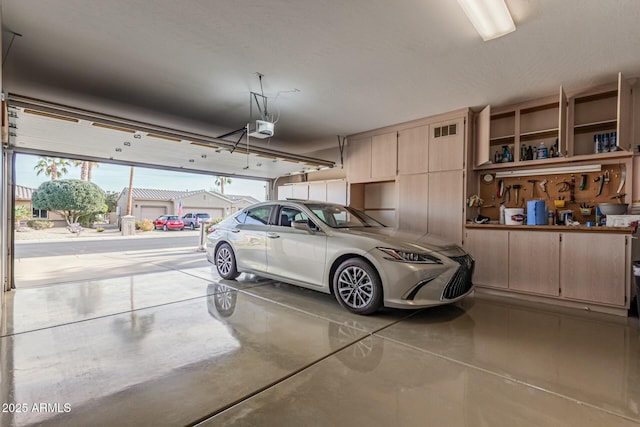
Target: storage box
[{"x": 621, "y": 220}]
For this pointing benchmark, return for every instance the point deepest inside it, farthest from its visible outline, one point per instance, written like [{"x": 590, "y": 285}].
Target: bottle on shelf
[
  {"x": 542, "y": 152},
  {"x": 530, "y": 153},
  {"x": 605, "y": 143},
  {"x": 613, "y": 141},
  {"x": 506, "y": 154},
  {"x": 597, "y": 145}
]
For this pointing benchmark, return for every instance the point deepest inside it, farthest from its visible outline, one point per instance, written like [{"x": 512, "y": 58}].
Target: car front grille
[{"x": 460, "y": 283}]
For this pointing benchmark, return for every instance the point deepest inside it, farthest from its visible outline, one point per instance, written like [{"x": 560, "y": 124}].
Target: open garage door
[
  {"x": 41, "y": 127},
  {"x": 46, "y": 129}
]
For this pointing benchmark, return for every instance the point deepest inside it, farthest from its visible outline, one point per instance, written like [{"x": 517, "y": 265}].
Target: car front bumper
[{"x": 408, "y": 285}]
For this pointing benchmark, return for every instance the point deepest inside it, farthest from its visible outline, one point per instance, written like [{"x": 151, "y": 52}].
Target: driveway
[{"x": 55, "y": 256}]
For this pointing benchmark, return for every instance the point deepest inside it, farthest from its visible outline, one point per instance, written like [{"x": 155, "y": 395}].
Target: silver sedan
[{"x": 340, "y": 250}]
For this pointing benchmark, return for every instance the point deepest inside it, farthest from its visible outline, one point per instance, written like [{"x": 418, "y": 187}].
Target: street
[{"x": 79, "y": 246}]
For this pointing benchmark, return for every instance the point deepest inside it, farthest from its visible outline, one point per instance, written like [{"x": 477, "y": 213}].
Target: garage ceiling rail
[{"x": 41, "y": 126}]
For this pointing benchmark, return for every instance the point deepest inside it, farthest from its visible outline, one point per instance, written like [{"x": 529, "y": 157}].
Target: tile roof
[
  {"x": 23, "y": 193},
  {"x": 168, "y": 195}
]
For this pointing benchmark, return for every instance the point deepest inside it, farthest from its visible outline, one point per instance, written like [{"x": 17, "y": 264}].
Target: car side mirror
[{"x": 302, "y": 225}]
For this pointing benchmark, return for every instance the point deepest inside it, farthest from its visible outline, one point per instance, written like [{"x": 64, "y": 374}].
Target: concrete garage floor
[{"x": 176, "y": 345}]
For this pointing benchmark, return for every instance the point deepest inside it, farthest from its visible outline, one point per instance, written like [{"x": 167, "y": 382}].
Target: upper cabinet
[
  {"x": 372, "y": 158},
  {"x": 600, "y": 119},
  {"x": 413, "y": 150},
  {"x": 384, "y": 156},
  {"x": 588, "y": 123},
  {"x": 446, "y": 145},
  {"x": 359, "y": 160},
  {"x": 512, "y": 135}
]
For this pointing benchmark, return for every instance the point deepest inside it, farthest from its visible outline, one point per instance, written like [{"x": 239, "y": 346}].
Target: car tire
[
  {"x": 226, "y": 262},
  {"x": 164, "y": 227},
  {"x": 192, "y": 227},
  {"x": 357, "y": 286}
]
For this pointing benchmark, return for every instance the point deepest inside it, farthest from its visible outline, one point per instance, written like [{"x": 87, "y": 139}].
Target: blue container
[{"x": 536, "y": 212}]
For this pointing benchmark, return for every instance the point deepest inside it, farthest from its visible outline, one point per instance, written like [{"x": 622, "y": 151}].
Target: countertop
[{"x": 562, "y": 228}]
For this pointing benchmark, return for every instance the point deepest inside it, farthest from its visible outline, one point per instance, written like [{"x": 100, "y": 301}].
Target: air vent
[{"x": 446, "y": 130}]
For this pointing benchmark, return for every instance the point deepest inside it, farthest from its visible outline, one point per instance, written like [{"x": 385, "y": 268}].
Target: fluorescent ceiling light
[
  {"x": 548, "y": 171},
  {"x": 490, "y": 17}
]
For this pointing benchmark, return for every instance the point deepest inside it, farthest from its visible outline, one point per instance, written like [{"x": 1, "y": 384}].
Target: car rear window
[{"x": 259, "y": 216}]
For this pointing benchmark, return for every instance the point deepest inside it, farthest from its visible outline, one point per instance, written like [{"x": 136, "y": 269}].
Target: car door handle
[{"x": 273, "y": 235}]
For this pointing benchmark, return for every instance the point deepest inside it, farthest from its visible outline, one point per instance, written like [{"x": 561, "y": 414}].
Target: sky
[{"x": 112, "y": 177}]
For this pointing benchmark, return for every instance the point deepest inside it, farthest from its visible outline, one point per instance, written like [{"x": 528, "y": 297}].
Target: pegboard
[{"x": 555, "y": 185}]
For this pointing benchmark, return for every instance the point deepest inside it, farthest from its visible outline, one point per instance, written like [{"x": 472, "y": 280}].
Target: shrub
[
  {"x": 39, "y": 224},
  {"x": 21, "y": 212},
  {"x": 146, "y": 225},
  {"x": 99, "y": 230}
]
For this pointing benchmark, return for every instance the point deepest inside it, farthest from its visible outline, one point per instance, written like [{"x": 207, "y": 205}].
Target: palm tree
[
  {"x": 85, "y": 168},
  {"x": 221, "y": 181},
  {"x": 52, "y": 166},
  {"x": 130, "y": 194},
  {"x": 90, "y": 166}
]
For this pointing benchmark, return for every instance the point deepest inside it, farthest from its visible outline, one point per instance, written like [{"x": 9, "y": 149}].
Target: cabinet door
[
  {"x": 337, "y": 192},
  {"x": 413, "y": 150},
  {"x": 490, "y": 250},
  {"x": 482, "y": 146},
  {"x": 384, "y": 156},
  {"x": 625, "y": 117},
  {"x": 285, "y": 192},
  {"x": 318, "y": 191},
  {"x": 446, "y": 145},
  {"x": 593, "y": 267},
  {"x": 300, "y": 191},
  {"x": 534, "y": 262},
  {"x": 445, "y": 208},
  {"x": 359, "y": 160},
  {"x": 562, "y": 124},
  {"x": 413, "y": 197}
]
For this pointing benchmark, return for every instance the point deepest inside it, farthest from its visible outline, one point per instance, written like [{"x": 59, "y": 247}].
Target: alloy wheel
[
  {"x": 355, "y": 287},
  {"x": 224, "y": 261}
]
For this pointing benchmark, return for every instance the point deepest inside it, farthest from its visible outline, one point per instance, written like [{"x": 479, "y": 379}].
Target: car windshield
[{"x": 336, "y": 216}]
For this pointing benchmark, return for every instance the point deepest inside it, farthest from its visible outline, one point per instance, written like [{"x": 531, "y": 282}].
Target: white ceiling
[{"x": 358, "y": 64}]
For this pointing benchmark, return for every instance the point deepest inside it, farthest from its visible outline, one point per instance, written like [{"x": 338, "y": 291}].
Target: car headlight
[{"x": 414, "y": 257}]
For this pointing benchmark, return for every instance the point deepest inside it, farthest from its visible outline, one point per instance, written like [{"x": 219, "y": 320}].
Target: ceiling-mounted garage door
[{"x": 40, "y": 127}]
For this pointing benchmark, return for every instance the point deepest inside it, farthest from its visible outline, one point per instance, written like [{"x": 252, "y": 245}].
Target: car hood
[{"x": 402, "y": 239}]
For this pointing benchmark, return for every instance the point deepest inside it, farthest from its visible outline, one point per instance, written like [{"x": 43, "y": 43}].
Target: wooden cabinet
[
  {"x": 334, "y": 191},
  {"x": 446, "y": 145},
  {"x": 569, "y": 268},
  {"x": 422, "y": 165},
  {"x": 384, "y": 155},
  {"x": 446, "y": 213},
  {"x": 373, "y": 158},
  {"x": 359, "y": 160},
  {"x": 599, "y": 112},
  {"x": 413, "y": 200},
  {"x": 572, "y": 121},
  {"x": 595, "y": 268},
  {"x": 518, "y": 126},
  {"x": 413, "y": 150},
  {"x": 490, "y": 250},
  {"x": 534, "y": 262}
]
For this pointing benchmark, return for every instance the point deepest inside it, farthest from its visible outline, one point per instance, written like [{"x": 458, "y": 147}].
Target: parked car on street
[
  {"x": 194, "y": 219},
  {"x": 168, "y": 222},
  {"x": 340, "y": 250}
]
